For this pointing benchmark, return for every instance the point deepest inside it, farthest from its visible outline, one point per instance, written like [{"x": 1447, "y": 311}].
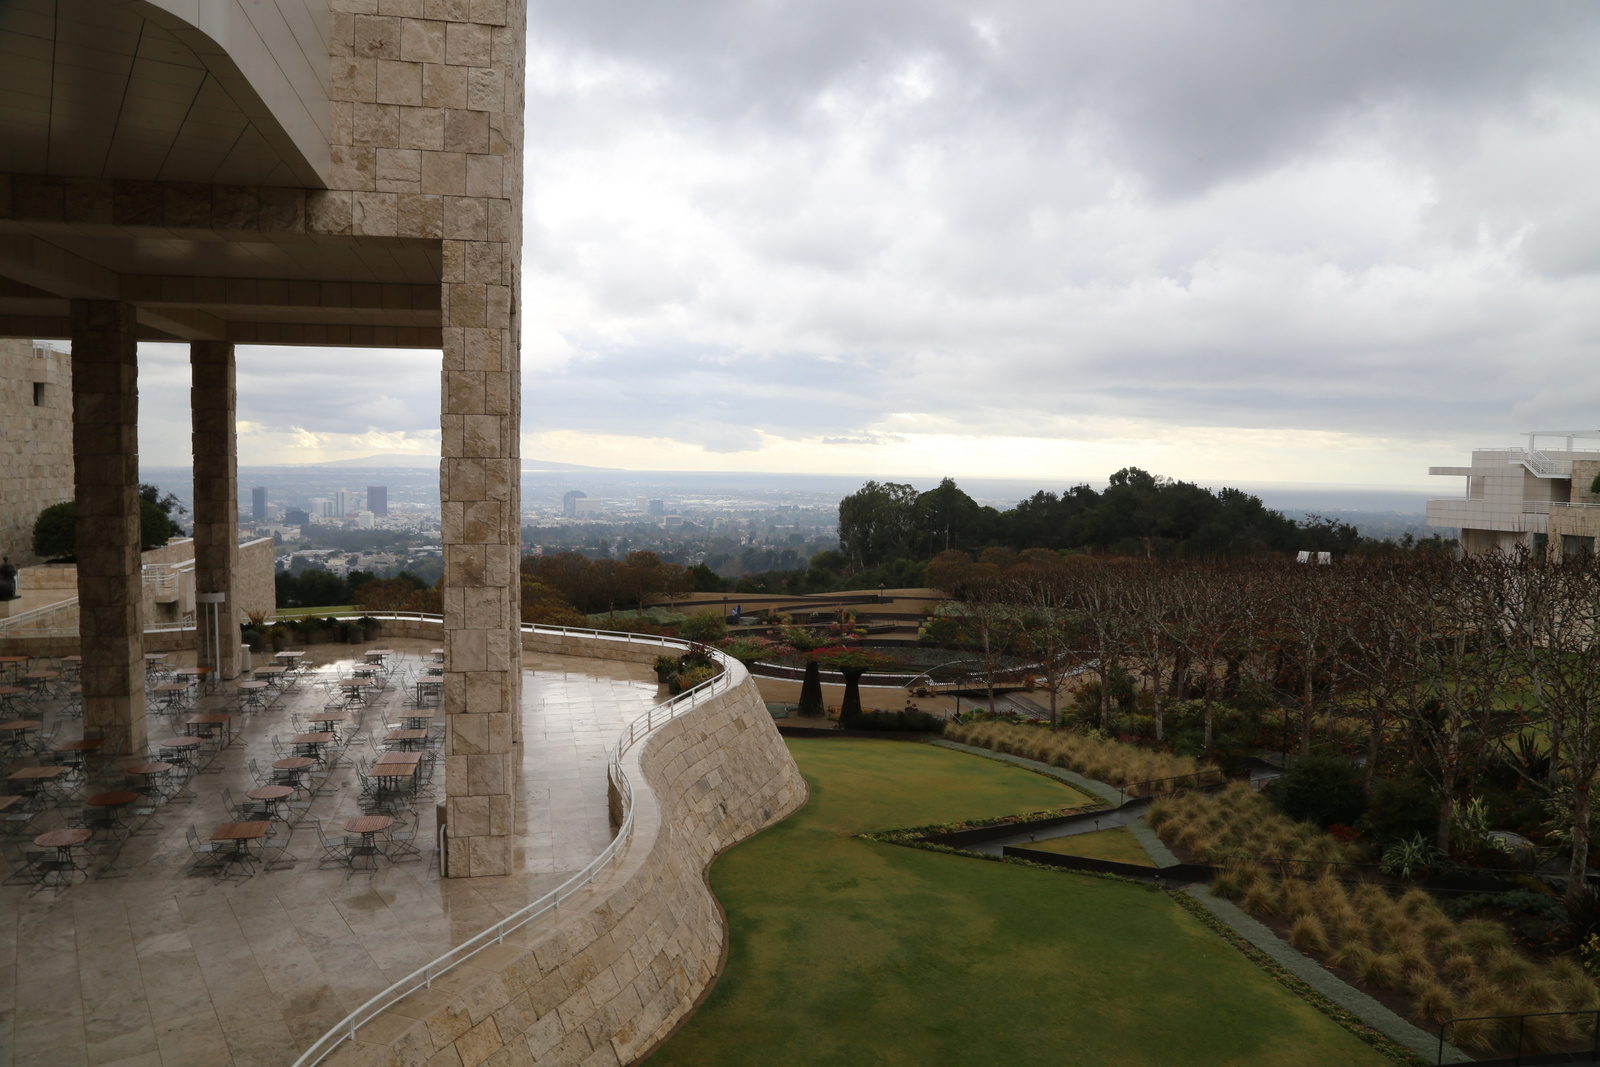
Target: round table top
[
  {"x": 63, "y": 838},
  {"x": 293, "y": 763},
  {"x": 270, "y": 792},
  {"x": 179, "y": 742},
  {"x": 13, "y": 659},
  {"x": 355, "y": 683},
  {"x": 21, "y": 724},
  {"x": 368, "y": 824},
  {"x": 41, "y": 676},
  {"x": 112, "y": 799},
  {"x": 150, "y": 768},
  {"x": 252, "y": 685},
  {"x": 11, "y": 690}
]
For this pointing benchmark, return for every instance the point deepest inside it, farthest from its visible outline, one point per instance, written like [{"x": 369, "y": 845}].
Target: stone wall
[
  {"x": 253, "y": 581},
  {"x": 605, "y": 978},
  {"x": 36, "y": 448}
]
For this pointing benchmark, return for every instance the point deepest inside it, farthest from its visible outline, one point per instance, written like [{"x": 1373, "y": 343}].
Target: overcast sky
[{"x": 1242, "y": 242}]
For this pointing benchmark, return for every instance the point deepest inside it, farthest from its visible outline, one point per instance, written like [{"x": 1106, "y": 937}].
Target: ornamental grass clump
[
  {"x": 1088, "y": 754},
  {"x": 1407, "y": 944}
]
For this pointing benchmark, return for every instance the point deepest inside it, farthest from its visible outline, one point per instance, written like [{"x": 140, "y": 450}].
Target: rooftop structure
[{"x": 1537, "y": 496}]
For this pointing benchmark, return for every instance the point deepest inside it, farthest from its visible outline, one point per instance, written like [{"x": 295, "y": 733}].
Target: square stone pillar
[
  {"x": 105, "y": 446},
  {"x": 212, "y": 405}
]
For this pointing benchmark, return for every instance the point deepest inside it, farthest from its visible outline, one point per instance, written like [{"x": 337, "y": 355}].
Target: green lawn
[
  {"x": 847, "y": 951},
  {"x": 1116, "y": 844}
]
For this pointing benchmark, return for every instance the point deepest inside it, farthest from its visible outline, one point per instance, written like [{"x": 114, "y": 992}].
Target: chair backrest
[{"x": 193, "y": 838}]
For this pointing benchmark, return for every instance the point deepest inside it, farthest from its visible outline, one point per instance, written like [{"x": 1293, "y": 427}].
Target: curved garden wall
[{"x": 608, "y": 974}]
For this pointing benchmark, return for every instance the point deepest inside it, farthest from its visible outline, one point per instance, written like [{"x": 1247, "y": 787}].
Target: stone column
[
  {"x": 212, "y": 406},
  {"x": 105, "y": 446},
  {"x": 478, "y": 487}
]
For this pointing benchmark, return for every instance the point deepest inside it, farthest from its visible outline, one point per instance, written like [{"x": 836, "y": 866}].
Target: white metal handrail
[
  {"x": 22, "y": 619},
  {"x": 641, "y": 727}
]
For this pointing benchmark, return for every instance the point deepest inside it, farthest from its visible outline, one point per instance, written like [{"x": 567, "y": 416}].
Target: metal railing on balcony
[{"x": 632, "y": 734}]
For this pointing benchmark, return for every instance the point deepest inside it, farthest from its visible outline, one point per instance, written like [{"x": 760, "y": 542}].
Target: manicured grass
[
  {"x": 848, "y": 951},
  {"x": 1116, "y": 844}
]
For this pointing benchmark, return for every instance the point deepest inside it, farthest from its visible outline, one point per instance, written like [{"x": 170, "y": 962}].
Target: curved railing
[{"x": 634, "y": 732}]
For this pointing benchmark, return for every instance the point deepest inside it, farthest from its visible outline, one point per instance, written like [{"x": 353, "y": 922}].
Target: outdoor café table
[
  {"x": 197, "y": 674},
  {"x": 378, "y": 655},
  {"x": 250, "y": 695},
  {"x": 437, "y": 654},
  {"x": 64, "y": 841},
  {"x": 241, "y": 834},
  {"x": 393, "y": 767},
  {"x": 151, "y": 773},
  {"x": 154, "y": 660},
  {"x": 172, "y": 693},
  {"x": 354, "y": 687},
  {"x": 272, "y": 675},
  {"x": 271, "y": 796},
  {"x": 208, "y": 725},
  {"x": 182, "y": 749},
  {"x": 291, "y": 658},
  {"x": 406, "y": 739},
  {"x": 33, "y": 780},
  {"x": 39, "y": 681},
  {"x": 8, "y": 693},
  {"x": 366, "y": 670},
  {"x": 16, "y": 731},
  {"x": 418, "y": 721},
  {"x": 369, "y": 827},
  {"x": 295, "y": 765},
  {"x": 311, "y": 744},
  {"x": 75, "y": 752},
  {"x": 111, "y": 804}
]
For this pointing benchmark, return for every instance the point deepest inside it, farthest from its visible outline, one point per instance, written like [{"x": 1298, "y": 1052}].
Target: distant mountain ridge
[{"x": 401, "y": 459}]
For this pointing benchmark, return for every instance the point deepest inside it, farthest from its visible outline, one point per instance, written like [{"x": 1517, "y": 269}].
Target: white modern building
[{"x": 1538, "y": 495}]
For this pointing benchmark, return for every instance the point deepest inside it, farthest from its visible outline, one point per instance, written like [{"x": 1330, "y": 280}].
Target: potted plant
[
  {"x": 371, "y": 629},
  {"x": 666, "y": 667}
]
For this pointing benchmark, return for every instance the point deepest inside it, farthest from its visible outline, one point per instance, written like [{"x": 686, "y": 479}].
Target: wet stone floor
[{"x": 144, "y": 961}]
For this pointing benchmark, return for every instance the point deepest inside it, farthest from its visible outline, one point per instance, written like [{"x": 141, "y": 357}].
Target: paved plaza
[{"x": 143, "y": 961}]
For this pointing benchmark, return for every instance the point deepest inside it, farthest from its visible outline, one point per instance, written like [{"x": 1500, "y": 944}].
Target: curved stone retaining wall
[{"x": 605, "y": 977}]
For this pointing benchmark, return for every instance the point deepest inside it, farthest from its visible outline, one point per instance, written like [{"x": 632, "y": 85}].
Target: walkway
[{"x": 160, "y": 967}]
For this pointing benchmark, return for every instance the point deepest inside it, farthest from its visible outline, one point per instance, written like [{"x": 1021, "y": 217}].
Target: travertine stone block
[
  {"x": 213, "y": 403},
  {"x": 105, "y": 444}
]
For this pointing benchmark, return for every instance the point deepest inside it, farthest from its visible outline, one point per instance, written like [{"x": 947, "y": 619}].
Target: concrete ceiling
[{"x": 129, "y": 89}]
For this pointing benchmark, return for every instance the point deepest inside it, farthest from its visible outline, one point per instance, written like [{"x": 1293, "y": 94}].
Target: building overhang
[{"x": 212, "y": 91}]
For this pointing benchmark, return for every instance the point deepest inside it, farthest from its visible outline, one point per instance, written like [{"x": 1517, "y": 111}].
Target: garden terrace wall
[{"x": 607, "y": 975}]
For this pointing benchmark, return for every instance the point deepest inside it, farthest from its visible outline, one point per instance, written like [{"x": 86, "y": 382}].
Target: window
[
  {"x": 1541, "y": 545},
  {"x": 38, "y": 394},
  {"x": 1572, "y": 545}
]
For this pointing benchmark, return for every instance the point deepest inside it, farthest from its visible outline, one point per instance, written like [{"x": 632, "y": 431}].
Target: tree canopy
[{"x": 1138, "y": 513}]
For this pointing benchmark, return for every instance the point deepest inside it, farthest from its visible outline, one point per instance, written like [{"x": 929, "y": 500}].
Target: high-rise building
[
  {"x": 258, "y": 504},
  {"x": 569, "y": 502},
  {"x": 341, "y": 503},
  {"x": 658, "y": 508},
  {"x": 378, "y": 500}
]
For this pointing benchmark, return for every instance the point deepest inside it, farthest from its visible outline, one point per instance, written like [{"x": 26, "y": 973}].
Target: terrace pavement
[{"x": 145, "y": 963}]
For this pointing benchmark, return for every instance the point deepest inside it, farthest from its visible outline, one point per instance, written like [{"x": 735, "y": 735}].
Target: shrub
[
  {"x": 1321, "y": 789},
  {"x": 1401, "y": 808},
  {"x": 707, "y": 626},
  {"x": 1307, "y": 934},
  {"x": 691, "y": 677},
  {"x": 55, "y": 532}
]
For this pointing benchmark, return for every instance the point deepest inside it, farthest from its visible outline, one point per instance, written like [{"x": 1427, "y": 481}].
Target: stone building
[
  {"x": 36, "y": 447},
  {"x": 1537, "y": 498},
  {"x": 306, "y": 172}
]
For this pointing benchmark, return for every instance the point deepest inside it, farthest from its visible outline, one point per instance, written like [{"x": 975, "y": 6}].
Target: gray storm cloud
[{"x": 758, "y": 221}]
